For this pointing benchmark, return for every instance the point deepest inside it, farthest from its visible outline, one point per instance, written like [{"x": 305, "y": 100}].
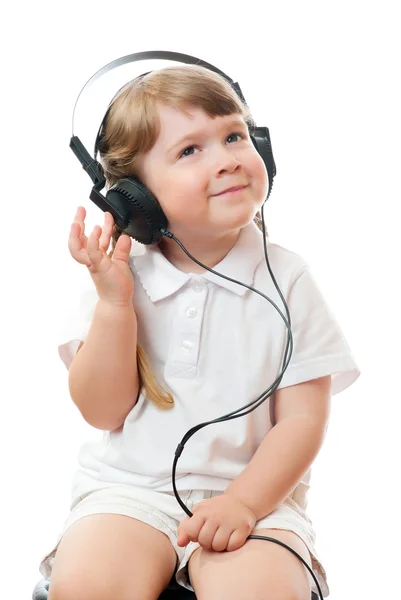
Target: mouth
[{"x": 232, "y": 190}]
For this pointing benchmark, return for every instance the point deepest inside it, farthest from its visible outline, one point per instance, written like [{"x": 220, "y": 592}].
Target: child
[{"x": 162, "y": 345}]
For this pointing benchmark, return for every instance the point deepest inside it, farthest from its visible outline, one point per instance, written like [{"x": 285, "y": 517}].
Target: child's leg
[
  {"x": 260, "y": 569},
  {"x": 109, "y": 556}
]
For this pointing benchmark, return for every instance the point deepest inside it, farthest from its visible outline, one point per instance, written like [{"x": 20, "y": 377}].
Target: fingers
[
  {"x": 183, "y": 538},
  {"x": 122, "y": 249},
  {"x": 77, "y": 240},
  {"x": 80, "y": 219},
  {"x": 207, "y": 535},
  {"x": 189, "y": 529},
  {"x": 89, "y": 251},
  {"x": 107, "y": 232},
  {"x": 94, "y": 251},
  {"x": 237, "y": 540}
]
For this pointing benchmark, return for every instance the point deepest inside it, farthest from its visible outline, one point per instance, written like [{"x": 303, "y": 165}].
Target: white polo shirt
[{"x": 216, "y": 346}]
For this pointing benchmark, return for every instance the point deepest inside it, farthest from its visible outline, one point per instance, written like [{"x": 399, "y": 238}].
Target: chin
[{"x": 240, "y": 220}]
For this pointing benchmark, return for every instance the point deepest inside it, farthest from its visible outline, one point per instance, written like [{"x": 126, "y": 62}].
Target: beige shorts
[{"x": 162, "y": 511}]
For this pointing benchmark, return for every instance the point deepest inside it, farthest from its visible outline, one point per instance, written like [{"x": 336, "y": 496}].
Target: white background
[{"x": 324, "y": 77}]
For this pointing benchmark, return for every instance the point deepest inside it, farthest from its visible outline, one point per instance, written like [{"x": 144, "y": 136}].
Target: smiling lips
[{"x": 231, "y": 189}]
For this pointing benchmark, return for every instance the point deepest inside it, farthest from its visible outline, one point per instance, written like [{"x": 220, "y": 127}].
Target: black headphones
[{"x": 135, "y": 209}]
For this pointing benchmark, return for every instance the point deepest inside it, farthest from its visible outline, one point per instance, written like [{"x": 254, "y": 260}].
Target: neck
[{"x": 209, "y": 250}]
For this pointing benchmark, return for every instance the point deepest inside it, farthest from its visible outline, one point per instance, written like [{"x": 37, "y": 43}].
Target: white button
[
  {"x": 191, "y": 312},
  {"x": 197, "y": 286},
  {"x": 186, "y": 346}
]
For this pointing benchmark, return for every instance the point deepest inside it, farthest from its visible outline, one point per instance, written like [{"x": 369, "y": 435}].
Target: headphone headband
[{"x": 154, "y": 55}]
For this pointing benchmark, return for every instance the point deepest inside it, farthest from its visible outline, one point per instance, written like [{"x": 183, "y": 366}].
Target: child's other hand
[
  {"x": 112, "y": 276},
  {"x": 219, "y": 523}
]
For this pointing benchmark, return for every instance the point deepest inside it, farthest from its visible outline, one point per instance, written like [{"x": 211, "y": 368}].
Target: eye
[
  {"x": 240, "y": 135},
  {"x": 183, "y": 153}
]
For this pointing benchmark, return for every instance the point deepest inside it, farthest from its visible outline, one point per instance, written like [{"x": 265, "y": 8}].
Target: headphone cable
[{"x": 255, "y": 403}]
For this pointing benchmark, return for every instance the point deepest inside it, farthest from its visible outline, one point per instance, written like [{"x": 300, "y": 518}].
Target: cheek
[
  {"x": 179, "y": 191},
  {"x": 260, "y": 177},
  {"x": 177, "y": 195}
]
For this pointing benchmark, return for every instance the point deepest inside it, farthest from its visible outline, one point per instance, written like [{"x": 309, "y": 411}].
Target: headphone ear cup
[
  {"x": 144, "y": 215},
  {"x": 261, "y": 140}
]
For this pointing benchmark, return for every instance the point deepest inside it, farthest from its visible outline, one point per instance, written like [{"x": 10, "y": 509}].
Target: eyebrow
[{"x": 190, "y": 136}]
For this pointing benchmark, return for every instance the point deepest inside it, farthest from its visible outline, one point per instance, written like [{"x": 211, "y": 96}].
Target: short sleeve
[
  {"x": 319, "y": 346},
  {"x": 75, "y": 325}
]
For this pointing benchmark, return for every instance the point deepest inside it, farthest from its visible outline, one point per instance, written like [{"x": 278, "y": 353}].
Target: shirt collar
[{"x": 161, "y": 279}]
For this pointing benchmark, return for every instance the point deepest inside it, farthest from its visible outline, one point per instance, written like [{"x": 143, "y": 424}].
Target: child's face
[{"x": 187, "y": 176}]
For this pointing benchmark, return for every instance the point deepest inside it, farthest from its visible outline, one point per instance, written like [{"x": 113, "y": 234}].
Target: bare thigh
[
  {"x": 109, "y": 556},
  {"x": 259, "y": 570}
]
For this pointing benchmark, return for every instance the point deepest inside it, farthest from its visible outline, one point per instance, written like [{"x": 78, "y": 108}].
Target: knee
[
  {"x": 67, "y": 590},
  {"x": 78, "y": 589},
  {"x": 84, "y": 588},
  {"x": 286, "y": 591}
]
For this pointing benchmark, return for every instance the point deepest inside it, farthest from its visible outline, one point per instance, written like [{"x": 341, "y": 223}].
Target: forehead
[{"x": 176, "y": 121}]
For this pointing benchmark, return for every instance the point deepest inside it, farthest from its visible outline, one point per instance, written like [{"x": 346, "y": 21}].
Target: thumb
[
  {"x": 183, "y": 539},
  {"x": 123, "y": 248}
]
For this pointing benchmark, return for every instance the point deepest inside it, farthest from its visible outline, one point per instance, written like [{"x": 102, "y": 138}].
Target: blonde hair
[{"x": 131, "y": 128}]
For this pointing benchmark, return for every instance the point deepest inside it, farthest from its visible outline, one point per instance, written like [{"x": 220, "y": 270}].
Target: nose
[{"x": 226, "y": 162}]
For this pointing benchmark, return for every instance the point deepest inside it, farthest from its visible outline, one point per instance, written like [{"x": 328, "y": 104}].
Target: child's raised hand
[
  {"x": 219, "y": 523},
  {"x": 112, "y": 276}
]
